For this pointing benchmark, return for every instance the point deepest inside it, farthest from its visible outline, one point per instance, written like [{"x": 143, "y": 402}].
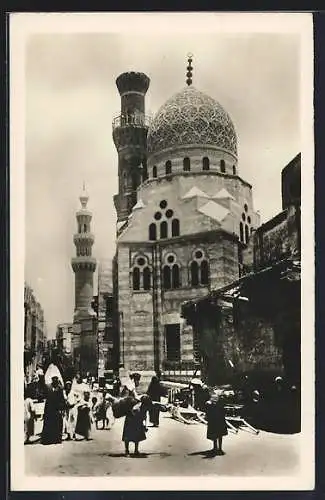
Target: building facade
[
  {"x": 84, "y": 342},
  {"x": 107, "y": 332},
  {"x": 64, "y": 335},
  {"x": 35, "y": 334},
  {"x": 253, "y": 324},
  {"x": 182, "y": 234}
]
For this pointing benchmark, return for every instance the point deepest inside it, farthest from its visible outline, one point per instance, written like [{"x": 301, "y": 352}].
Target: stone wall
[
  {"x": 188, "y": 210},
  {"x": 232, "y": 342},
  {"x": 145, "y": 313}
]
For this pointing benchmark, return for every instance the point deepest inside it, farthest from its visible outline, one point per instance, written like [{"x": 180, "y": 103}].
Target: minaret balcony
[
  {"x": 84, "y": 238},
  {"x": 131, "y": 120},
  {"x": 83, "y": 263}
]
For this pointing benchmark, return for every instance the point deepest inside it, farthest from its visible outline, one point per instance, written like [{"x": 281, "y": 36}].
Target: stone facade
[
  {"x": 35, "y": 333},
  {"x": 107, "y": 344}
]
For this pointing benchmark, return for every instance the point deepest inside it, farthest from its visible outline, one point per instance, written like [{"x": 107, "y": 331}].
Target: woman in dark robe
[
  {"x": 53, "y": 413},
  {"x": 217, "y": 425},
  {"x": 155, "y": 392},
  {"x": 134, "y": 429}
]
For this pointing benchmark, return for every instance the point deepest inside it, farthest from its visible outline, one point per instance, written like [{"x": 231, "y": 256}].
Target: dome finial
[{"x": 189, "y": 68}]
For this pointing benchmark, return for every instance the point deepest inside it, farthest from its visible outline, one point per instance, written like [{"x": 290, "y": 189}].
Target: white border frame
[{"x": 21, "y": 26}]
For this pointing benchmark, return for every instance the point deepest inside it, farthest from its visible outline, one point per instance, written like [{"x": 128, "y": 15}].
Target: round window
[
  {"x": 198, "y": 254},
  {"x": 169, "y": 213},
  {"x": 243, "y": 216},
  {"x": 141, "y": 261},
  {"x": 246, "y": 207},
  {"x": 158, "y": 215},
  {"x": 170, "y": 259},
  {"x": 248, "y": 219},
  {"x": 163, "y": 204}
]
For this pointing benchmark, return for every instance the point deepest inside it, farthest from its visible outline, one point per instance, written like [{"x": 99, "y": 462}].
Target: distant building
[
  {"x": 35, "y": 341},
  {"x": 107, "y": 357},
  {"x": 64, "y": 335},
  {"x": 253, "y": 324}
]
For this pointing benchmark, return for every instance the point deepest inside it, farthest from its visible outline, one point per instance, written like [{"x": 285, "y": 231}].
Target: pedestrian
[
  {"x": 217, "y": 425},
  {"x": 134, "y": 430},
  {"x": 116, "y": 386},
  {"x": 29, "y": 415},
  {"x": 155, "y": 392},
  {"x": 99, "y": 412},
  {"x": 110, "y": 419},
  {"x": 69, "y": 423},
  {"x": 53, "y": 413},
  {"x": 84, "y": 420}
]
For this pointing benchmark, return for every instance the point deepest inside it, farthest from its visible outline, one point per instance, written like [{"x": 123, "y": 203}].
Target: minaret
[
  {"x": 130, "y": 130},
  {"x": 83, "y": 265}
]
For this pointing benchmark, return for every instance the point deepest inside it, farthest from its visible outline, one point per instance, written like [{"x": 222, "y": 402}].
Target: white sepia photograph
[{"x": 162, "y": 251}]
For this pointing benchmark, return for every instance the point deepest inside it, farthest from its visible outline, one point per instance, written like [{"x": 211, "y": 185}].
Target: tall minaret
[
  {"x": 130, "y": 130},
  {"x": 83, "y": 265}
]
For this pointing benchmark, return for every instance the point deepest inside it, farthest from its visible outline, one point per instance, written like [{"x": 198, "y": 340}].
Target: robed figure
[{"x": 53, "y": 413}]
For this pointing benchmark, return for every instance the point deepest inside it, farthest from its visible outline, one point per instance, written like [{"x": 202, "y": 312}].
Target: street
[{"x": 173, "y": 449}]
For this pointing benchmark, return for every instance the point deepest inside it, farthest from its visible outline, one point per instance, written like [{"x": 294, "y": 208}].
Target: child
[
  {"x": 134, "y": 429},
  {"x": 99, "y": 412},
  {"x": 217, "y": 425},
  {"x": 29, "y": 415}
]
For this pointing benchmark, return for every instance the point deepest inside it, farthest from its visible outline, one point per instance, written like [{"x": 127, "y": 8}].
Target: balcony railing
[{"x": 131, "y": 120}]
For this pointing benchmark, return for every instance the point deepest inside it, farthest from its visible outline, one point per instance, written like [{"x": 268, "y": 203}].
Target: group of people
[{"x": 70, "y": 410}]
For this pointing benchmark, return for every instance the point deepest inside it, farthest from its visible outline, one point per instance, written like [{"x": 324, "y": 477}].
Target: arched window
[
  {"x": 167, "y": 278},
  {"x": 206, "y": 163},
  {"x": 222, "y": 166},
  {"x": 175, "y": 276},
  {"x": 241, "y": 231},
  {"x": 163, "y": 229},
  {"x": 175, "y": 227},
  {"x": 85, "y": 228},
  {"x": 136, "y": 278},
  {"x": 186, "y": 164},
  {"x": 79, "y": 228},
  {"x": 152, "y": 232},
  {"x": 146, "y": 278},
  {"x": 168, "y": 166},
  {"x": 246, "y": 233},
  {"x": 204, "y": 272},
  {"x": 154, "y": 171},
  {"x": 194, "y": 273},
  {"x": 234, "y": 169}
]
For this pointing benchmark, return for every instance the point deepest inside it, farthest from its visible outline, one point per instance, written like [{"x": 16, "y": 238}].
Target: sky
[{"x": 71, "y": 99}]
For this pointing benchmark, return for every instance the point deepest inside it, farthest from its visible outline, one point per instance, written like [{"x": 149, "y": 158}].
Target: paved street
[{"x": 173, "y": 449}]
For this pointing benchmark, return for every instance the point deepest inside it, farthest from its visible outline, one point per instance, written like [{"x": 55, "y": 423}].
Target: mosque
[{"x": 184, "y": 217}]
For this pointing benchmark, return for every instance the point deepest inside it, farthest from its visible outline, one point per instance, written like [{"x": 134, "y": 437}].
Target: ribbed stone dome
[{"x": 190, "y": 118}]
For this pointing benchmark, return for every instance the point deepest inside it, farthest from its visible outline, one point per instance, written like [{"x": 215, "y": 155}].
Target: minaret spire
[
  {"x": 189, "y": 68},
  {"x": 84, "y": 196}
]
